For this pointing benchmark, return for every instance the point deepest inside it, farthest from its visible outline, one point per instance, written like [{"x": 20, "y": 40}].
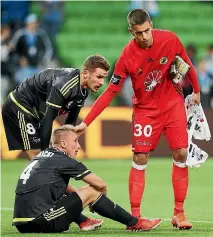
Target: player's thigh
[
  {"x": 35, "y": 226},
  {"x": 22, "y": 131},
  {"x": 29, "y": 128},
  {"x": 176, "y": 127},
  {"x": 11, "y": 126},
  {"x": 146, "y": 132},
  {"x": 63, "y": 214}
]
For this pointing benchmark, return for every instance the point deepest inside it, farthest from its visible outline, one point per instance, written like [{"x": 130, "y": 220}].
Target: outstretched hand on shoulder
[{"x": 80, "y": 129}]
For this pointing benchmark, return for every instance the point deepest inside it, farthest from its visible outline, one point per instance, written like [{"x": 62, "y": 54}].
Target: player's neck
[
  {"x": 82, "y": 82},
  {"x": 58, "y": 148},
  {"x": 145, "y": 46}
]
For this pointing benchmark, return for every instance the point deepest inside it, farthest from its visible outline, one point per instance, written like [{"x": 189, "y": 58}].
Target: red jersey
[{"x": 154, "y": 90}]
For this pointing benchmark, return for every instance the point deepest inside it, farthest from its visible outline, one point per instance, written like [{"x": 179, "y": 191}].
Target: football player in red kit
[{"x": 156, "y": 61}]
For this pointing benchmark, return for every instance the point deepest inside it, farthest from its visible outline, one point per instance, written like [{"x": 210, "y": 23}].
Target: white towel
[
  {"x": 196, "y": 156},
  {"x": 198, "y": 128},
  {"x": 197, "y": 123}
]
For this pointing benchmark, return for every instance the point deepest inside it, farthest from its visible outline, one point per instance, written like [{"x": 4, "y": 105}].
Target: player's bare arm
[
  {"x": 96, "y": 182},
  {"x": 191, "y": 73},
  {"x": 81, "y": 128}
]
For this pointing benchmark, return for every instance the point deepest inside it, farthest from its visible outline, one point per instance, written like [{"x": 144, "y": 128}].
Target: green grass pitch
[{"x": 157, "y": 201}]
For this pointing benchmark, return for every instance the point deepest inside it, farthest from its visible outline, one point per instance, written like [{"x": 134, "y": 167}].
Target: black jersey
[
  {"x": 48, "y": 94},
  {"x": 44, "y": 181},
  {"x": 58, "y": 88}
]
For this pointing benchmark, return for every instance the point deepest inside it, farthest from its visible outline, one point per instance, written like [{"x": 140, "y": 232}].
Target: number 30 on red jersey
[{"x": 140, "y": 131}]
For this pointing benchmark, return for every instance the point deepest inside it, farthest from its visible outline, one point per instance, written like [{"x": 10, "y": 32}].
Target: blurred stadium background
[{"x": 72, "y": 30}]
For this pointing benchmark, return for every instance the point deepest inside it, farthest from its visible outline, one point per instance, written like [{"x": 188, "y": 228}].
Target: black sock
[
  {"x": 105, "y": 207},
  {"x": 79, "y": 219}
]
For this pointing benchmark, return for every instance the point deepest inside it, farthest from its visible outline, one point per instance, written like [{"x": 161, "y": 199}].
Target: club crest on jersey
[
  {"x": 163, "y": 60},
  {"x": 115, "y": 79},
  {"x": 152, "y": 79}
]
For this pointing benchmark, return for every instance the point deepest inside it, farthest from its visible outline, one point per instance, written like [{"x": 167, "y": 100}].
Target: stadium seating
[
  {"x": 192, "y": 21},
  {"x": 100, "y": 27},
  {"x": 93, "y": 27}
]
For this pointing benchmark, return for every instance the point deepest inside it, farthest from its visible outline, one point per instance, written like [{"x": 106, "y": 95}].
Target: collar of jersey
[{"x": 55, "y": 148}]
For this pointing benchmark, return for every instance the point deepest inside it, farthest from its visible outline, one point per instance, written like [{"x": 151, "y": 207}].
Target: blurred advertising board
[{"x": 109, "y": 136}]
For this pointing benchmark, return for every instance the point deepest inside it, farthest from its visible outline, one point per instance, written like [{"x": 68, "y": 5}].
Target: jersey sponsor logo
[
  {"x": 115, "y": 79},
  {"x": 152, "y": 79},
  {"x": 35, "y": 139},
  {"x": 144, "y": 143},
  {"x": 163, "y": 60}
]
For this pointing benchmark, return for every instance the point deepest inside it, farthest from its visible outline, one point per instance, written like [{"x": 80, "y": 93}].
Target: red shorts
[{"x": 148, "y": 129}]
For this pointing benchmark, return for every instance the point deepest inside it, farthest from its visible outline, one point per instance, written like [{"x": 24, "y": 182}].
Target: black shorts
[
  {"x": 56, "y": 219},
  {"x": 22, "y": 130}
]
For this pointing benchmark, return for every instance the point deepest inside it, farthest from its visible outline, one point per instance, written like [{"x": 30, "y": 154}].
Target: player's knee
[
  {"x": 140, "y": 158},
  {"x": 88, "y": 195},
  {"x": 93, "y": 193},
  {"x": 180, "y": 155}
]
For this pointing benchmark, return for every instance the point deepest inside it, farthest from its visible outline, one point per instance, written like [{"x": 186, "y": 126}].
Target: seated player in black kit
[
  {"x": 30, "y": 109},
  {"x": 40, "y": 203}
]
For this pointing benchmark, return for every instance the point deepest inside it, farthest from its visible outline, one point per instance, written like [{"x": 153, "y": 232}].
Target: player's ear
[
  {"x": 85, "y": 73},
  {"x": 151, "y": 24},
  {"x": 131, "y": 31},
  {"x": 63, "y": 144}
]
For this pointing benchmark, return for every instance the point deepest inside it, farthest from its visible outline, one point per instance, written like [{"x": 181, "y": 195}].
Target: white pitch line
[
  {"x": 6, "y": 209},
  {"x": 95, "y": 214},
  {"x": 209, "y": 222}
]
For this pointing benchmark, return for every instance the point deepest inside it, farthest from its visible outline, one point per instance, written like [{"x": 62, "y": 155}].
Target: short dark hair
[
  {"x": 96, "y": 61},
  {"x": 138, "y": 17}
]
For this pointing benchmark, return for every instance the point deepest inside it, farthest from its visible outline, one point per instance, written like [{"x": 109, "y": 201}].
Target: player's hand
[
  {"x": 81, "y": 128},
  {"x": 196, "y": 98}
]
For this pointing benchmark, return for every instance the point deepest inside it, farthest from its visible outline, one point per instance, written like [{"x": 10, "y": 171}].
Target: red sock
[
  {"x": 180, "y": 186},
  {"x": 136, "y": 188}
]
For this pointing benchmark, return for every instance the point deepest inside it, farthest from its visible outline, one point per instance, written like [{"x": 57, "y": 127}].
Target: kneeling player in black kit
[
  {"x": 41, "y": 205},
  {"x": 29, "y": 111}
]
